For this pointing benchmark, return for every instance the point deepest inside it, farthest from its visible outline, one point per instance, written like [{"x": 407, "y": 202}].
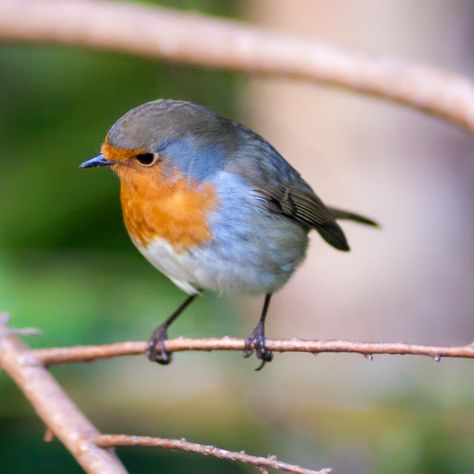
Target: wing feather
[{"x": 300, "y": 204}]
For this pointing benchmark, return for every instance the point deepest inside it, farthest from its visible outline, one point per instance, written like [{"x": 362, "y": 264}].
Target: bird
[{"x": 213, "y": 206}]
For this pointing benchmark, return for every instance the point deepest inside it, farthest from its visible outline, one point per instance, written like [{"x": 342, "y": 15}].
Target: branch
[
  {"x": 203, "y": 41},
  {"x": 64, "y": 420},
  {"x": 108, "y": 441},
  {"x": 64, "y": 355},
  {"x": 53, "y": 406}
]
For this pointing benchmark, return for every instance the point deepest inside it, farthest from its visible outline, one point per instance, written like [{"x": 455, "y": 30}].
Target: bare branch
[
  {"x": 108, "y": 441},
  {"x": 64, "y": 355},
  {"x": 195, "y": 39},
  {"x": 53, "y": 406},
  {"x": 92, "y": 449}
]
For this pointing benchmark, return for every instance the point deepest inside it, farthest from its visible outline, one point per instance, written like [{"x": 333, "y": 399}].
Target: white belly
[
  {"x": 176, "y": 266},
  {"x": 208, "y": 267}
]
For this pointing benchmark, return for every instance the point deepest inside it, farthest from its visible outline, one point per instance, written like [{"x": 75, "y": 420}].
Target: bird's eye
[{"x": 147, "y": 159}]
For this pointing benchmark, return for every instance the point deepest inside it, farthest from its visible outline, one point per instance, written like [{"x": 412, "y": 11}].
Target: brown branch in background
[
  {"x": 53, "y": 406},
  {"x": 199, "y": 40},
  {"x": 108, "y": 441},
  {"x": 63, "y": 419},
  {"x": 64, "y": 355}
]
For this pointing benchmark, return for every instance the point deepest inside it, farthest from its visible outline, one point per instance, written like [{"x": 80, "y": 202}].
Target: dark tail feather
[
  {"x": 334, "y": 236},
  {"x": 351, "y": 216}
]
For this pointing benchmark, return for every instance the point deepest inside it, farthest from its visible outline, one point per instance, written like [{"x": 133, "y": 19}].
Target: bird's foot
[
  {"x": 256, "y": 342},
  {"x": 156, "y": 350}
]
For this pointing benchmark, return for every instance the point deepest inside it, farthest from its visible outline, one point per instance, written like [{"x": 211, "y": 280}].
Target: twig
[
  {"x": 64, "y": 355},
  {"x": 108, "y": 441},
  {"x": 53, "y": 406},
  {"x": 64, "y": 420},
  {"x": 195, "y": 39}
]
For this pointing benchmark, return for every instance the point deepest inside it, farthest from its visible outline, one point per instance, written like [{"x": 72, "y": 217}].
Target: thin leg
[
  {"x": 156, "y": 344},
  {"x": 256, "y": 340}
]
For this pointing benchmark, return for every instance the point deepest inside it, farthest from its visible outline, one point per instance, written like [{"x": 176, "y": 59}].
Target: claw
[
  {"x": 256, "y": 343},
  {"x": 156, "y": 351}
]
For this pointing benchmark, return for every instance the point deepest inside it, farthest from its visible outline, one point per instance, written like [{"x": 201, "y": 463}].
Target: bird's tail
[{"x": 340, "y": 214}]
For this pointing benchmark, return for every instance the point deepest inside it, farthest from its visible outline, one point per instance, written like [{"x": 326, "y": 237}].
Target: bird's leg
[
  {"x": 156, "y": 351},
  {"x": 256, "y": 340}
]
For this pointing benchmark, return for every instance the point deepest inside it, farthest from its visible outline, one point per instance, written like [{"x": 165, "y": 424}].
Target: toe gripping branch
[
  {"x": 156, "y": 351},
  {"x": 256, "y": 342}
]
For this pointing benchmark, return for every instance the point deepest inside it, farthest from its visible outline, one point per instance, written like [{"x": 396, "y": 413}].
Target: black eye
[{"x": 147, "y": 159}]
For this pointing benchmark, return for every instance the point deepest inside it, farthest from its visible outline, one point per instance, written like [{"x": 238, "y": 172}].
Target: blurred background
[{"x": 68, "y": 267}]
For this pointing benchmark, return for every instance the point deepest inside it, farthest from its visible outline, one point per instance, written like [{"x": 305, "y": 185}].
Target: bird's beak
[{"x": 99, "y": 160}]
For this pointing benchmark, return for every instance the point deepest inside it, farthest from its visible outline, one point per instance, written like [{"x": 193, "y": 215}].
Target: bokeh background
[{"x": 68, "y": 267}]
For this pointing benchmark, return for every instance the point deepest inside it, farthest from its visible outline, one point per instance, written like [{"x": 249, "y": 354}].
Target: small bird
[{"x": 212, "y": 205}]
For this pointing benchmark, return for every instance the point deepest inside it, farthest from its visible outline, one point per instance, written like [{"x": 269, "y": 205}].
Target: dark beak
[{"x": 99, "y": 160}]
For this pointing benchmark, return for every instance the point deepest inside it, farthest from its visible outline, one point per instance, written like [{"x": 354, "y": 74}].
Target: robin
[{"x": 212, "y": 205}]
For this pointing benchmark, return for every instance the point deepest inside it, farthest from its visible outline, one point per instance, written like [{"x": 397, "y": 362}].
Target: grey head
[{"x": 189, "y": 137}]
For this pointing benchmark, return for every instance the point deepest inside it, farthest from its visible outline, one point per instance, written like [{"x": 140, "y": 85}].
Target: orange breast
[{"x": 175, "y": 210}]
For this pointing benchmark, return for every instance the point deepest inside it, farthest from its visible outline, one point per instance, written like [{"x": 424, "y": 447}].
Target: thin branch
[
  {"x": 199, "y": 40},
  {"x": 108, "y": 441},
  {"x": 90, "y": 448},
  {"x": 53, "y": 406},
  {"x": 64, "y": 355}
]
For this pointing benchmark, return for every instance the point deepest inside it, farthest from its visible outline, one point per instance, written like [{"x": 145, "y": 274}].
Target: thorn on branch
[
  {"x": 48, "y": 436},
  {"x": 5, "y": 329}
]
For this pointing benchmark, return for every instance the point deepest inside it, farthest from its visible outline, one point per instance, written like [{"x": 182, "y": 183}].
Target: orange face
[
  {"x": 118, "y": 154},
  {"x": 173, "y": 208}
]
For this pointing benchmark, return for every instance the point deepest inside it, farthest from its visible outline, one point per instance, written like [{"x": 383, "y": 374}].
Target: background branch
[
  {"x": 53, "y": 406},
  {"x": 63, "y": 355},
  {"x": 90, "y": 448},
  {"x": 195, "y": 39},
  {"x": 108, "y": 441}
]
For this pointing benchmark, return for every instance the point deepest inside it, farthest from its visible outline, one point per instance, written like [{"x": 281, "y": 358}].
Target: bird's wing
[
  {"x": 278, "y": 185},
  {"x": 299, "y": 203}
]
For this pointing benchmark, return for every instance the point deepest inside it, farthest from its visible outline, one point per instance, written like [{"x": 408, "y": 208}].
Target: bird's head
[
  {"x": 163, "y": 139},
  {"x": 166, "y": 153}
]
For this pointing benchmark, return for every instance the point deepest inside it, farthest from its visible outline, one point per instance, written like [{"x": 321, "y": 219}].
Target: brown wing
[{"x": 303, "y": 206}]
